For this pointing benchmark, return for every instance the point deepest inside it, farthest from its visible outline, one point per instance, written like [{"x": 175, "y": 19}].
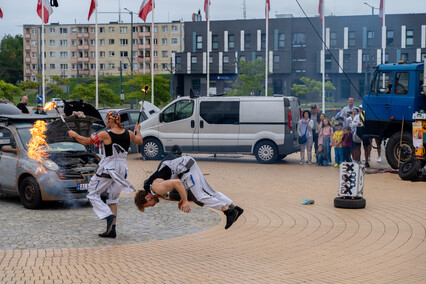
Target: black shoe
[
  {"x": 231, "y": 216},
  {"x": 367, "y": 165},
  {"x": 112, "y": 233},
  {"x": 240, "y": 212},
  {"x": 110, "y": 220}
]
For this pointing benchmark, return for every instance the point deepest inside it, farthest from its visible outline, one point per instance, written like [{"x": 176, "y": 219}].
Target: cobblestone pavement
[{"x": 276, "y": 240}]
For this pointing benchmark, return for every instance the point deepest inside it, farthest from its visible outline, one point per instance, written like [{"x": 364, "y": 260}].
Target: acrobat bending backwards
[{"x": 184, "y": 175}]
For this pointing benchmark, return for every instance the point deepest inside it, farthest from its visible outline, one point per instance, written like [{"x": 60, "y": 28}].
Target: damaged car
[{"x": 63, "y": 175}]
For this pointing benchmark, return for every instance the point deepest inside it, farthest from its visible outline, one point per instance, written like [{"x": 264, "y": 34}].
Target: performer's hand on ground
[
  {"x": 184, "y": 206},
  {"x": 72, "y": 133}
]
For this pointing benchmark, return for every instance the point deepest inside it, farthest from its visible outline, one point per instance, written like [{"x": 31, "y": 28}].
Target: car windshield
[{"x": 25, "y": 135}]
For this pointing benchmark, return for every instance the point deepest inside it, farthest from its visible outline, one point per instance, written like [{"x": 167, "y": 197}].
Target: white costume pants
[{"x": 96, "y": 187}]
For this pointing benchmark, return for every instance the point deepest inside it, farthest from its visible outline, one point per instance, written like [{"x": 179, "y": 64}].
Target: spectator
[
  {"x": 347, "y": 108},
  {"x": 23, "y": 105},
  {"x": 319, "y": 122},
  {"x": 379, "y": 149},
  {"x": 315, "y": 117},
  {"x": 338, "y": 146},
  {"x": 325, "y": 136},
  {"x": 306, "y": 125},
  {"x": 40, "y": 109},
  {"x": 321, "y": 156},
  {"x": 347, "y": 144},
  {"x": 356, "y": 141},
  {"x": 366, "y": 141}
]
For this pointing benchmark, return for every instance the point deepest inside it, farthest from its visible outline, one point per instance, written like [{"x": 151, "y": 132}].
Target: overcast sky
[{"x": 19, "y": 12}]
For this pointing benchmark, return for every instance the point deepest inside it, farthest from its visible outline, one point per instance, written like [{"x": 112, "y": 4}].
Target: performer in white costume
[
  {"x": 184, "y": 175},
  {"x": 112, "y": 169}
]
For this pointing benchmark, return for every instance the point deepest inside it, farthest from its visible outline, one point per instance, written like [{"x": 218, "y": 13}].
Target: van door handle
[
  {"x": 201, "y": 124},
  {"x": 387, "y": 106},
  {"x": 192, "y": 123}
]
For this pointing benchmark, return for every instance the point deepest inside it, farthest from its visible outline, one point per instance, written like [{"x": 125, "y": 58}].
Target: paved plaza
[{"x": 277, "y": 240}]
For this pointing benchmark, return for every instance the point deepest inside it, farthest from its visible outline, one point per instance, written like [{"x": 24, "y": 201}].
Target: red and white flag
[
  {"x": 381, "y": 10},
  {"x": 207, "y": 8},
  {"x": 44, "y": 4},
  {"x": 93, "y": 6},
  {"x": 320, "y": 10},
  {"x": 267, "y": 9},
  {"x": 145, "y": 8},
  {"x": 1, "y": 13}
]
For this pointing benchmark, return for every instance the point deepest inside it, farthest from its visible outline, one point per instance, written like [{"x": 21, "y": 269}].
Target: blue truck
[{"x": 396, "y": 92}]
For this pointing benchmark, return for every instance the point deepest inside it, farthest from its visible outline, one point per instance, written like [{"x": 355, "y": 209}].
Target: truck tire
[
  {"x": 152, "y": 149},
  {"x": 266, "y": 152},
  {"x": 349, "y": 203},
  {"x": 393, "y": 147},
  {"x": 410, "y": 169}
]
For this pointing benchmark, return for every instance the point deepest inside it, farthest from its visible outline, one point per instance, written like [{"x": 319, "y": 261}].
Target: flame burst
[
  {"x": 37, "y": 146},
  {"x": 49, "y": 106}
]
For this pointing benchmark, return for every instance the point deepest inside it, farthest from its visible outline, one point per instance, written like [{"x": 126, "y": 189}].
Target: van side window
[
  {"x": 220, "y": 112},
  {"x": 382, "y": 83},
  {"x": 179, "y": 110},
  {"x": 6, "y": 138},
  {"x": 401, "y": 83}
]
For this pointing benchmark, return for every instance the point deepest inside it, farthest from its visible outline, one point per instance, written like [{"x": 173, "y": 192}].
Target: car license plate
[{"x": 82, "y": 186}]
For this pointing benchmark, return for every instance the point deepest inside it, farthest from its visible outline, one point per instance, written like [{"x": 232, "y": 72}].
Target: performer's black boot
[
  {"x": 108, "y": 233},
  {"x": 112, "y": 234},
  {"x": 231, "y": 216},
  {"x": 240, "y": 212}
]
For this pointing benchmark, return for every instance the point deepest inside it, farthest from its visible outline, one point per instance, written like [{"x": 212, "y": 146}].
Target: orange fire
[
  {"x": 49, "y": 106},
  {"x": 37, "y": 146}
]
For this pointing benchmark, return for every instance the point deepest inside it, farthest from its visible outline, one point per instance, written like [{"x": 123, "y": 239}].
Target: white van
[{"x": 263, "y": 126}]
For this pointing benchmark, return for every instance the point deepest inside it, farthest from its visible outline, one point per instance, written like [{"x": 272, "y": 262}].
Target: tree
[
  {"x": 11, "y": 58},
  {"x": 311, "y": 89},
  {"x": 88, "y": 93},
  {"x": 251, "y": 80},
  {"x": 161, "y": 88},
  {"x": 8, "y": 90}
]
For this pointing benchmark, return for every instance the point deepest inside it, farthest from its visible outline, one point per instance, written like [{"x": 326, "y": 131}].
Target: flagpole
[
  {"x": 384, "y": 40},
  {"x": 266, "y": 48},
  {"x": 208, "y": 47},
  {"x": 97, "y": 56},
  {"x": 152, "y": 53},
  {"x": 323, "y": 57},
  {"x": 43, "y": 88}
]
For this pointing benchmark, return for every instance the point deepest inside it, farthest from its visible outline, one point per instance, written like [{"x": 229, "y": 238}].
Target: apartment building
[{"x": 70, "y": 50}]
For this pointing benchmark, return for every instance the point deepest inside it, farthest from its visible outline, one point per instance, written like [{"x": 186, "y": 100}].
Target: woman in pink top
[{"x": 325, "y": 135}]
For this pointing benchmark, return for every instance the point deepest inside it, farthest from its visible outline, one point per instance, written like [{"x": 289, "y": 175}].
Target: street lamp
[
  {"x": 372, "y": 8},
  {"x": 131, "y": 52}
]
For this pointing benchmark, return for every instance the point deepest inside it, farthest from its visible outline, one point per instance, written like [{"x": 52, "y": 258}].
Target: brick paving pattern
[{"x": 277, "y": 240}]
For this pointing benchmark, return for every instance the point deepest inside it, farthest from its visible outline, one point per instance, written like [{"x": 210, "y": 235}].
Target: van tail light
[
  {"x": 289, "y": 121},
  {"x": 300, "y": 113}
]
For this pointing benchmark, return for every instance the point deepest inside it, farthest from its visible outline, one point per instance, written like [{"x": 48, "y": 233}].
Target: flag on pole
[
  {"x": 145, "y": 8},
  {"x": 381, "y": 10},
  {"x": 320, "y": 11},
  {"x": 1, "y": 14},
  {"x": 44, "y": 4},
  {"x": 207, "y": 8},
  {"x": 93, "y": 6},
  {"x": 267, "y": 9}
]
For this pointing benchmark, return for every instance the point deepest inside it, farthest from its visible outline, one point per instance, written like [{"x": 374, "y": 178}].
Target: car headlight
[{"x": 50, "y": 165}]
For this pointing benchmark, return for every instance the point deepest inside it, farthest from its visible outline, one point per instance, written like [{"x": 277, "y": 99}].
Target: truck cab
[{"x": 396, "y": 92}]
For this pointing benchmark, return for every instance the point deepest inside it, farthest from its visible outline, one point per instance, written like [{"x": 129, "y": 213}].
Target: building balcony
[
  {"x": 141, "y": 46},
  {"x": 83, "y": 47},
  {"x": 81, "y": 59},
  {"x": 83, "y": 35},
  {"x": 144, "y": 34},
  {"x": 27, "y": 60},
  {"x": 27, "y": 36},
  {"x": 28, "y": 47}
]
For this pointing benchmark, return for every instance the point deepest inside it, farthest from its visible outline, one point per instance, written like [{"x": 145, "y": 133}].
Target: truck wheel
[
  {"x": 349, "y": 203},
  {"x": 152, "y": 149},
  {"x": 410, "y": 169},
  {"x": 29, "y": 193},
  {"x": 266, "y": 152},
  {"x": 393, "y": 148}
]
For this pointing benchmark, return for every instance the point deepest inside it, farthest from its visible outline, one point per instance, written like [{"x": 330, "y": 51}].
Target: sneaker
[
  {"x": 379, "y": 160},
  {"x": 301, "y": 162},
  {"x": 336, "y": 165},
  {"x": 309, "y": 163},
  {"x": 367, "y": 165},
  {"x": 240, "y": 212},
  {"x": 231, "y": 216}
]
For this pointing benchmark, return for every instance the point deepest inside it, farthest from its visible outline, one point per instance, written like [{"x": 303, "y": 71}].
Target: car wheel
[
  {"x": 266, "y": 152},
  {"x": 281, "y": 157},
  {"x": 152, "y": 149},
  {"x": 29, "y": 193},
  {"x": 349, "y": 203},
  {"x": 393, "y": 148},
  {"x": 410, "y": 169}
]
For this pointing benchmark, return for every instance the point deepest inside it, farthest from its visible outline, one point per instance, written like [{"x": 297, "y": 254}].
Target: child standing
[
  {"x": 325, "y": 135},
  {"x": 321, "y": 156},
  {"x": 338, "y": 146},
  {"x": 347, "y": 144}
]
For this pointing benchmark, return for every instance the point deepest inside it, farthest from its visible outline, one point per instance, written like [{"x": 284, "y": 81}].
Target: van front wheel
[
  {"x": 152, "y": 149},
  {"x": 266, "y": 152}
]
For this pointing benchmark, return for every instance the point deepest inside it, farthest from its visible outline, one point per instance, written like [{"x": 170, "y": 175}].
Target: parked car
[
  {"x": 263, "y": 126},
  {"x": 59, "y": 102},
  {"x": 7, "y": 108},
  {"x": 67, "y": 169}
]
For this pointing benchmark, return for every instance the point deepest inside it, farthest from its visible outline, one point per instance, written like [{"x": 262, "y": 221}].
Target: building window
[
  {"x": 73, "y": 42},
  {"x": 111, "y": 41},
  {"x": 124, "y": 53},
  {"x": 52, "y": 30},
  {"x": 52, "y": 66},
  {"x": 102, "y": 42},
  {"x": 225, "y": 59},
  {"x": 410, "y": 37},
  {"x": 276, "y": 62},
  {"x": 174, "y": 28},
  {"x": 404, "y": 57},
  {"x": 155, "y": 66},
  {"x": 63, "y": 42},
  {"x": 64, "y": 66},
  {"x": 92, "y": 54},
  {"x": 34, "y": 31},
  {"x": 333, "y": 39},
  {"x": 347, "y": 62},
  {"x": 163, "y": 66},
  {"x": 174, "y": 40},
  {"x": 74, "y": 30},
  {"x": 281, "y": 40},
  {"x": 231, "y": 43},
  {"x": 111, "y": 53},
  {"x": 389, "y": 37},
  {"x": 247, "y": 41},
  {"x": 102, "y": 54},
  {"x": 299, "y": 65},
  {"x": 370, "y": 38},
  {"x": 299, "y": 40},
  {"x": 193, "y": 62},
  {"x": 196, "y": 85},
  {"x": 52, "y": 42},
  {"x": 135, "y": 41},
  {"x": 263, "y": 41},
  {"x": 63, "y": 30},
  {"x": 155, "y": 53},
  {"x": 63, "y": 54},
  {"x": 135, "y": 29},
  {"x": 92, "y": 30},
  {"x": 215, "y": 42},
  {"x": 51, "y": 54},
  {"x": 164, "y": 29},
  {"x": 102, "y": 66},
  {"x": 164, "y": 53},
  {"x": 155, "y": 29},
  {"x": 351, "y": 41},
  {"x": 92, "y": 42},
  {"x": 101, "y": 30},
  {"x": 365, "y": 57},
  {"x": 178, "y": 63},
  {"x": 123, "y": 30},
  {"x": 164, "y": 41},
  {"x": 328, "y": 62},
  {"x": 124, "y": 41},
  {"x": 242, "y": 58},
  {"x": 155, "y": 41},
  {"x": 34, "y": 66},
  {"x": 111, "y": 29},
  {"x": 199, "y": 42}
]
